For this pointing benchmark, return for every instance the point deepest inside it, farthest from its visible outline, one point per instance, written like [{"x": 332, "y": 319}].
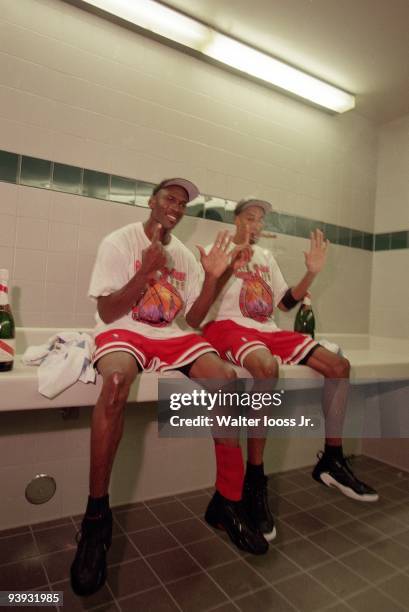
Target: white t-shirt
[
  {"x": 251, "y": 294},
  {"x": 155, "y": 315}
]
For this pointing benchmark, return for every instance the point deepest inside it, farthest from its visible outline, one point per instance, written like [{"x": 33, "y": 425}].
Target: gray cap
[
  {"x": 190, "y": 188},
  {"x": 247, "y": 202}
]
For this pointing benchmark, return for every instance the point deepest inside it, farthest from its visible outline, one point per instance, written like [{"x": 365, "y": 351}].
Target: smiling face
[
  {"x": 251, "y": 218},
  {"x": 168, "y": 206}
]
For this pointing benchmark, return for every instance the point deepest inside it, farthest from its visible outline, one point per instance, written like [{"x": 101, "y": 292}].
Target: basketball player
[
  {"x": 243, "y": 330},
  {"x": 143, "y": 278}
]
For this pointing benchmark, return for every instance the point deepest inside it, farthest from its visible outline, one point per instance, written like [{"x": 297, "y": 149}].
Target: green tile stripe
[{"x": 45, "y": 174}]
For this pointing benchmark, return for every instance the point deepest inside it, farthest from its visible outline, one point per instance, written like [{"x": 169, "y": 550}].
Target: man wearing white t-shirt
[
  {"x": 143, "y": 278},
  {"x": 242, "y": 328}
]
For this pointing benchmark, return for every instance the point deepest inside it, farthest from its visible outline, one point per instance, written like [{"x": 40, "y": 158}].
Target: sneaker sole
[
  {"x": 270, "y": 536},
  {"x": 217, "y": 525},
  {"x": 329, "y": 481}
]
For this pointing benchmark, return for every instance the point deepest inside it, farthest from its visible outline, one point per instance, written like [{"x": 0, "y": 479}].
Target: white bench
[{"x": 370, "y": 358}]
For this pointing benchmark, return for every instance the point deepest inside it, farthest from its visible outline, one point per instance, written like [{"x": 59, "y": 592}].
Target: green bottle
[
  {"x": 7, "y": 328},
  {"x": 305, "y": 320}
]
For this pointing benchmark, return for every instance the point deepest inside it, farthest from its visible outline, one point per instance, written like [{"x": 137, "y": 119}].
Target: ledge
[{"x": 371, "y": 358}]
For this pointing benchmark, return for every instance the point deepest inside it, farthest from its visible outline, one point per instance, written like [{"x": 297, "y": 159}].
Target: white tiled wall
[
  {"x": 390, "y": 293},
  {"x": 51, "y": 254},
  {"x": 79, "y": 90}
]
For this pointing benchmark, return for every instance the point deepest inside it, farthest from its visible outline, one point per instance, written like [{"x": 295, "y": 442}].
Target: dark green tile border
[
  {"x": 45, "y": 174},
  {"x": 8, "y": 166}
]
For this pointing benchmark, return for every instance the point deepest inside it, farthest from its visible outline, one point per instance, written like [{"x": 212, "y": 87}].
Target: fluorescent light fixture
[
  {"x": 157, "y": 18},
  {"x": 186, "y": 31}
]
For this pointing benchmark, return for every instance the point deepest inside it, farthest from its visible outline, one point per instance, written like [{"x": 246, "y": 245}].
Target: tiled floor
[{"x": 331, "y": 553}]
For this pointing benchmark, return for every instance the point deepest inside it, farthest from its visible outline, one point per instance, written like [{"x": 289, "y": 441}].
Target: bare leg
[
  {"x": 335, "y": 394},
  {"x": 212, "y": 370},
  {"x": 118, "y": 370},
  {"x": 225, "y": 509},
  {"x": 263, "y": 367}
]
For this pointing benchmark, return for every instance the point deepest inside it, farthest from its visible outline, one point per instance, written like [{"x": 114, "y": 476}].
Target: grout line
[
  {"x": 375, "y": 586},
  {"x": 200, "y": 566}
]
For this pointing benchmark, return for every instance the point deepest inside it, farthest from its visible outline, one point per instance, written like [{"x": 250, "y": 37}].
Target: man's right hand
[{"x": 154, "y": 256}]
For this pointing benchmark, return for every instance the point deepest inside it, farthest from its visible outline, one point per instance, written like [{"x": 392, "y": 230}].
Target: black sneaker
[
  {"x": 255, "y": 500},
  {"x": 89, "y": 568},
  {"x": 334, "y": 472},
  {"x": 222, "y": 513}
]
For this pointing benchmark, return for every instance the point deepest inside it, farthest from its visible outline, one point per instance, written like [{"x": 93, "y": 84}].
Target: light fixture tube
[{"x": 186, "y": 31}]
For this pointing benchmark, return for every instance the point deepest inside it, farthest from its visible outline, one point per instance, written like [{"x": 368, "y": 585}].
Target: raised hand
[
  {"x": 217, "y": 260},
  {"x": 154, "y": 256},
  {"x": 315, "y": 258}
]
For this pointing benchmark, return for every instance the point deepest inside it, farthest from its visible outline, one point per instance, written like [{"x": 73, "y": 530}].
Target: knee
[
  {"x": 266, "y": 370},
  {"x": 341, "y": 369},
  {"x": 228, "y": 373},
  {"x": 116, "y": 390}
]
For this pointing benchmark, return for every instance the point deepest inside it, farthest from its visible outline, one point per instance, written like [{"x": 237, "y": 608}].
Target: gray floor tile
[
  {"x": 121, "y": 550},
  {"x": 333, "y": 541},
  {"x": 338, "y": 579},
  {"x": 209, "y": 553},
  {"x": 171, "y": 512},
  {"x": 304, "y": 523},
  {"x": 136, "y": 519},
  {"x": 391, "y": 551},
  {"x": 153, "y": 540},
  {"x": 73, "y": 603},
  {"x": 273, "y": 566},
  {"x": 191, "y": 530},
  {"x": 373, "y": 600},
  {"x": 304, "y": 553},
  {"x": 304, "y": 499},
  {"x": 173, "y": 564},
  {"x": 154, "y": 600},
  {"x": 196, "y": 593},
  {"x": 267, "y": 600},
  {"x": 130, "y": 578},
  {"x": 397, "y": 587},
  {"x": 198, "y": 504},
  {"x": 361, "y": 533},
  {"x": 17, "y": 547},
  {"x": 236, "y": 578},
  {"x": 56, "y": 538},
  {"x": 305, "y": 593},
  {"x": 25, "y": 574},
  {"x": 367, "y": 565}
]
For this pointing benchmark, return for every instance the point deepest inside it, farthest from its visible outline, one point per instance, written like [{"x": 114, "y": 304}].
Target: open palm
[{"x": 316, "y": 257}]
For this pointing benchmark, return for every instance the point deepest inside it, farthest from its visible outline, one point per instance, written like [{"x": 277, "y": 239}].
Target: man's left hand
[{"x": 315, "y": 258}]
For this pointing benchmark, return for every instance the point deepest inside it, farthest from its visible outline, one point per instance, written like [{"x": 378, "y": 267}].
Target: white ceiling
[{"x": 359, "y": 45}]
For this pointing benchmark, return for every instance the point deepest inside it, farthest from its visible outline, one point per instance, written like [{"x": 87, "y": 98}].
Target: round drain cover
[{"x": 40, "y": 489}]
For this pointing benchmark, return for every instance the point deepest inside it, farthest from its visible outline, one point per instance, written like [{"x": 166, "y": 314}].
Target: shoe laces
[{"x": 259, "y": 494}]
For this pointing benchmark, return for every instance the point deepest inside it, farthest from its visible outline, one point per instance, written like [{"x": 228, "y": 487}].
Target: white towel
[{"x": 65, "y": 359}]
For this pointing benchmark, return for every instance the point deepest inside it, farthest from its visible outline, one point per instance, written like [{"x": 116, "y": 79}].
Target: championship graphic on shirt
[
  {"x": 162, "y": 301},
  {"x": 256, "y": 298}
]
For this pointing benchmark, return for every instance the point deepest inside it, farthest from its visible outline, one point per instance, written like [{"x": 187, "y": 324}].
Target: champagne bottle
[
  {"x": 7, "y": 328},
  {"x": 305, "y": 320}
]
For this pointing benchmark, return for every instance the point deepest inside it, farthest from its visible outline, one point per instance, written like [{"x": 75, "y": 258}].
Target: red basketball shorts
[
  {"x": 234, "y": 342},
  {"x": 153, "y": 355}
]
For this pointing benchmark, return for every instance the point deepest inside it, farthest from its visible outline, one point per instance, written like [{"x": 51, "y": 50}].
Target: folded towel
[{"x": 63, "y": 360}]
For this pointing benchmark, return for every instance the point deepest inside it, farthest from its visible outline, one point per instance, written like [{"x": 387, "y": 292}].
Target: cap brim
[
  {"x": 190, "y": 188},
  {"x": 263, "y": 204}
]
